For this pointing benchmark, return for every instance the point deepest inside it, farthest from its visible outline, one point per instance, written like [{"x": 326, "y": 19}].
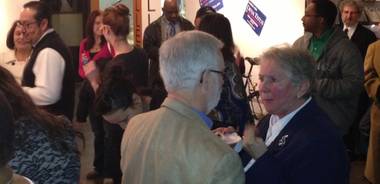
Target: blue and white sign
[
  {"x": 216, "y": 4},
  {"x": 254, "y": 17}
]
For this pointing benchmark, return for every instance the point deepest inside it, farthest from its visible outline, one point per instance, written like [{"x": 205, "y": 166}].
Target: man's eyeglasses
[
  {"x": 218, "y": 72},
  {"x": 26, "y": 25},
  {"x": 222, "y": 73}
]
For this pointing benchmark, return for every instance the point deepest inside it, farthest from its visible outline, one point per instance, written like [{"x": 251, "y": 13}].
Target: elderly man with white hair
[{"x": 174, "y": 144}]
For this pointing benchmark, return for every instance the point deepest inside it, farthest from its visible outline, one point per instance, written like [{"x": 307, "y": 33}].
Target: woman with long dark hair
[
  {"x": 233, "y": 108},
  {"x": 45, "y": 149},
  {"x": 7, "y": 136},
  {"x": 93, "y": 47}
]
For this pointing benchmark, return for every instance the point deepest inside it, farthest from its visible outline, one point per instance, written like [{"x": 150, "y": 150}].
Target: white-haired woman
[{"x": 297, "y": 142}]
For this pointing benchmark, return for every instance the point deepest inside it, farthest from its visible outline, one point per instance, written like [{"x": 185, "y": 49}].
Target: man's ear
[
  {"x": 205, "y": 84},
  {"x": 303, "y": 88},
  {"x": 44, "y": 24}
]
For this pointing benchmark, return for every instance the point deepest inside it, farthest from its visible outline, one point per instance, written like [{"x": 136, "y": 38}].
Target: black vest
[{"x": 65, "y": 105}]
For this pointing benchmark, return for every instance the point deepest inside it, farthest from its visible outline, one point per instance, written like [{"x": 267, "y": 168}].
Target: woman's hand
[
  {"x": 224, "y": 130},
  {"x": 92, "y": 74},
  {"x": 253, "y": 145}
]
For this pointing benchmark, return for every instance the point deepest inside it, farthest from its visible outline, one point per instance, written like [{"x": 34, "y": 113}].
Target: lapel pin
[{"x": 282, "y": 141}]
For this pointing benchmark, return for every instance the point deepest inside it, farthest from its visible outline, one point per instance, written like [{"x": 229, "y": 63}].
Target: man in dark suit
[
  {"x": 165, "y": 27},
  {"x": 351, "y": 11}
]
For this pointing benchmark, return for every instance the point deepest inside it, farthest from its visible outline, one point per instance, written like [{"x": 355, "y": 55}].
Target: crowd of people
[{"x": 176, "y": 111}]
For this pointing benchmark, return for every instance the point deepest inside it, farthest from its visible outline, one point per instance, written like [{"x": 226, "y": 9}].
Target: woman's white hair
[
  {"x": 298, "y": 63},
  {"x": 186, "y": 56}
]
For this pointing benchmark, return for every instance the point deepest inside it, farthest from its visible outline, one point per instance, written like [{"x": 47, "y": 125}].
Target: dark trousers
[
  {"x": 98, "y": 130},
  {"x": 356, "y": 142},
  {"x": 113, "y": 136}
]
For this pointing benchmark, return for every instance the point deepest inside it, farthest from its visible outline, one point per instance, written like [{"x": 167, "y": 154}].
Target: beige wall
[{"x": 9, "y": 12}]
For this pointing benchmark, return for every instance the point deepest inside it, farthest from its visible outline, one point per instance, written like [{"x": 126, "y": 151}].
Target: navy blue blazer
[{"x": 308, "y": 150}]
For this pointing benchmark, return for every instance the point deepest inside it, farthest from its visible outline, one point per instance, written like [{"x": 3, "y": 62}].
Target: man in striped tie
[{"x": 165, "y": 27}]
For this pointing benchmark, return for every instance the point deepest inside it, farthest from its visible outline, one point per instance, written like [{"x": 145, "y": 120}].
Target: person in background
[
  {"x": 233, "y": 108},
  {"x": 129, "y": 61},
  {"x": 165, "y": 27},
  {"x": 45, "y": 147},
  {"x": 85, "y": 107},
  {"x": 92, "y": 48},
  {"x": 49, "y": 74},
  {"x": 205, "y": 10},
  {"x": 351, "y": 11},
  {"x": 339, "y": 69},
  {"x": 372, "y": 86},
  {"x": 201, "y": 12},
  {"x": 18, "y": 54},
  {"x": 296, "y": 142},
  {"x": 174, "y": 144},
  {"x": 7, "y": 137}
]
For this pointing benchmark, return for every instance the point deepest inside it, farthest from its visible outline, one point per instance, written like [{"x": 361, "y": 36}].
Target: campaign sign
[
  {"x": 216, "y": 4},
  {"x": 254, "y": 17}
]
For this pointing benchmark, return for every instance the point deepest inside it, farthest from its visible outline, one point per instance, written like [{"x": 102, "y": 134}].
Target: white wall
[
  {"x": 9, "y": 12},
  {"x": 283, "y": 23},
  {"x": 151, "y": 10}
]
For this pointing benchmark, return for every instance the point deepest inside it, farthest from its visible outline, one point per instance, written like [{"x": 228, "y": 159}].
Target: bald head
[
  {"x": 170, "y": 10},
  {"x": 170, "y": 3}
]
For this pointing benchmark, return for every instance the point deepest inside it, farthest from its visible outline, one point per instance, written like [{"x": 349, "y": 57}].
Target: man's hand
[{"x": 253, "y": 145}]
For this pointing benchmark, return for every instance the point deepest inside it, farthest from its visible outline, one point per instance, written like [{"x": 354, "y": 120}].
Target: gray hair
[
  {"x": 184, "y": 57},
  {"x": 297, "y": 63},
  {"x": 358, "y": 5}
]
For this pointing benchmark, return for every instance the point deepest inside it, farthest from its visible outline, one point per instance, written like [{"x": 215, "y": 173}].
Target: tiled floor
[{"x": 87, "y": 156}]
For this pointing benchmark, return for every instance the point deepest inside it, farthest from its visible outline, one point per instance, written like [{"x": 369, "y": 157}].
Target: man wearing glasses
[
  {"x": 174, "y": 144},
  {"x": 339, "y": 75},
  {"x": 48, "y": 75}
]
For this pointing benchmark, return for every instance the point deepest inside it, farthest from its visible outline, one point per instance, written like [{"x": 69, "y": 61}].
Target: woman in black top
[{"x": 128, "y": 61}]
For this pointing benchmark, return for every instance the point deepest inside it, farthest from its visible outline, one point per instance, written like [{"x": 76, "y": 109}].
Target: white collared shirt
[
  {"x": 276, "y": 125},
  {"x": 165, "y": 27},
  {"x": 49, "y": 70},
  {"x": 350, "y": 30},
  {"x": 8, "y": 61}
]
